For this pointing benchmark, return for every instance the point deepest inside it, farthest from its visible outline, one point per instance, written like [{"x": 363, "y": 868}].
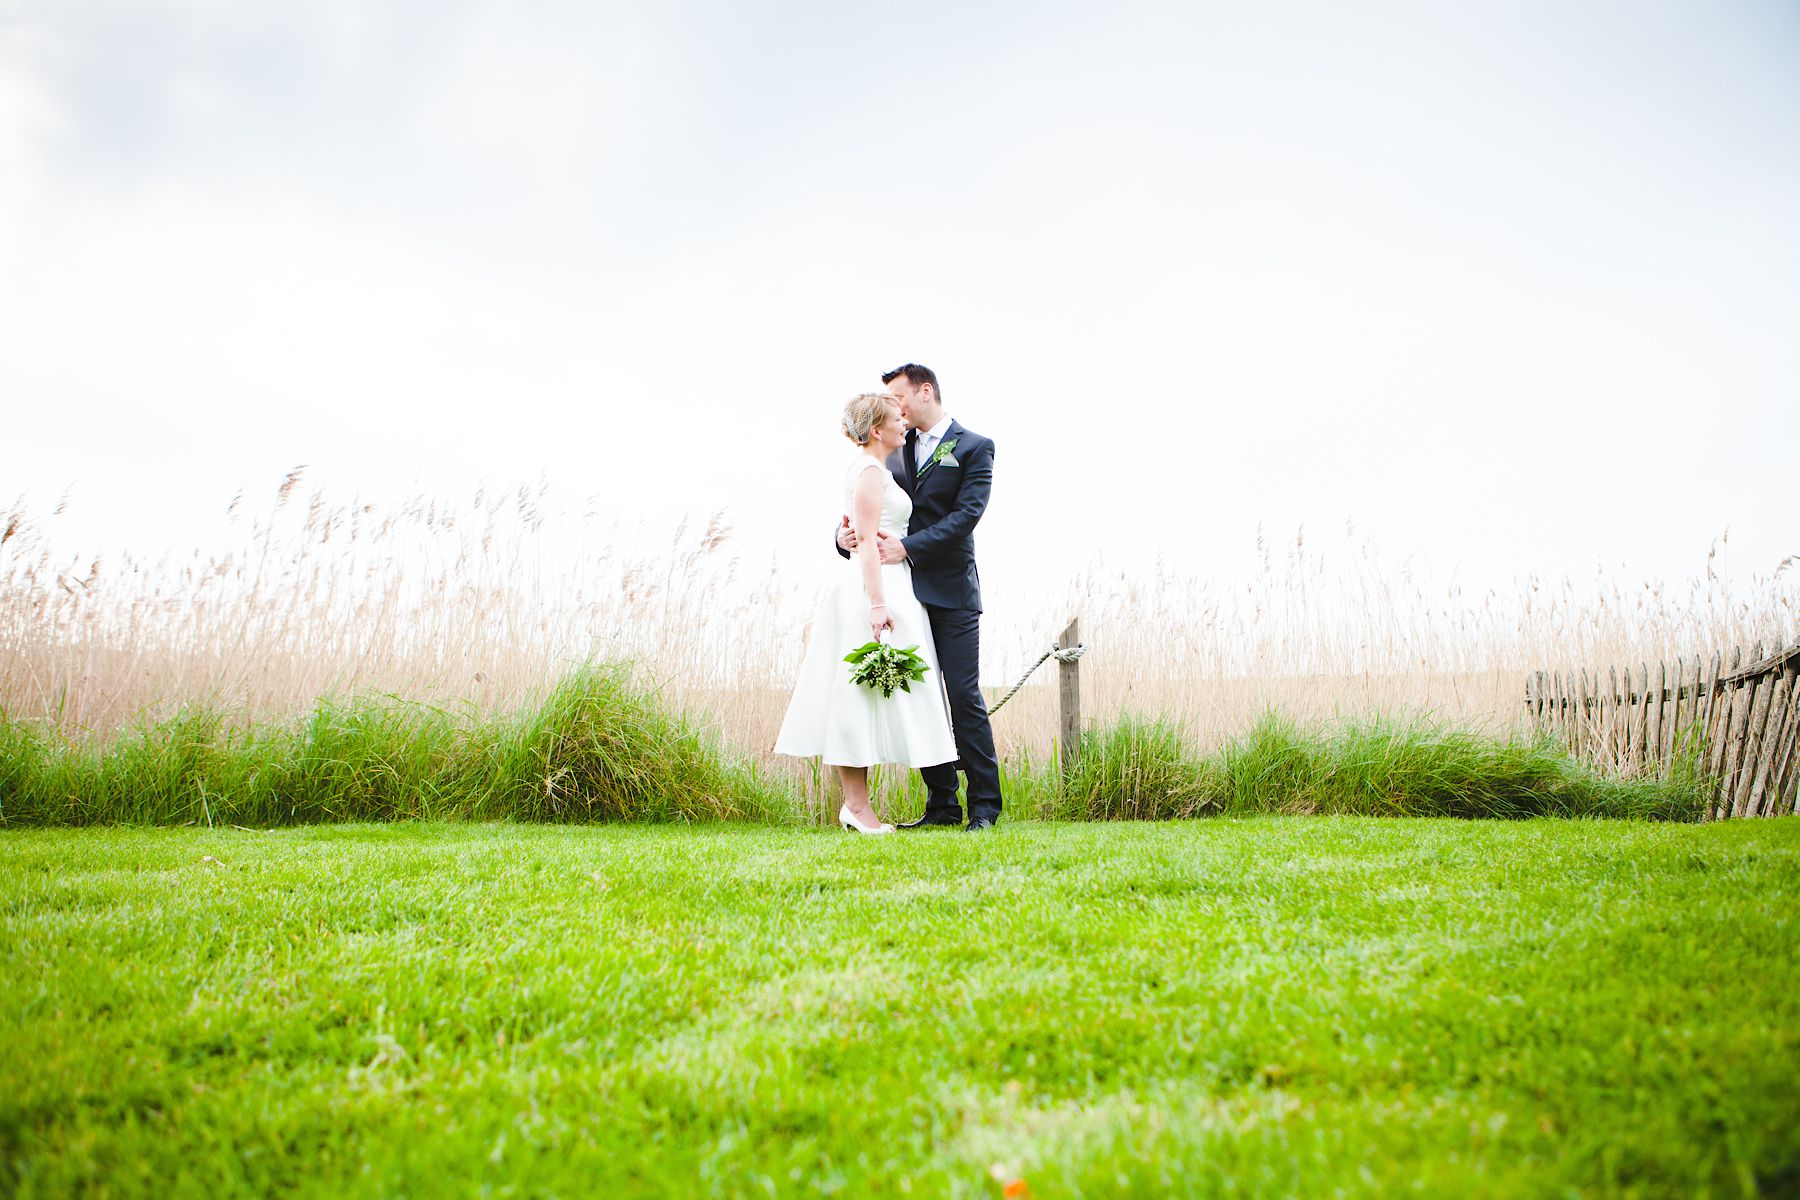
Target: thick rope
[{"x": 1060, "y": 654}]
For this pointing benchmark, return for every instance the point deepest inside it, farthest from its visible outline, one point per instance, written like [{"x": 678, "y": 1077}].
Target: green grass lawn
[{"x": 1298, "y": 1006}]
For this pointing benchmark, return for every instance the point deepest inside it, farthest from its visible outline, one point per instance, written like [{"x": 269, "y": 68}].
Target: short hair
[
  {"x": 915, "y": 375},
  {"x": 865, "y": 414}
]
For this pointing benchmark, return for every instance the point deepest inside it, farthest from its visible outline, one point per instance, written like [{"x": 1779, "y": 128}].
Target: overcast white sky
[{"x": 1515, "y": 286}]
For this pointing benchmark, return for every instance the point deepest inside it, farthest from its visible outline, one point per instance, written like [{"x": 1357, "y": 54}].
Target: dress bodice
[{"x": 896, "y": 505}]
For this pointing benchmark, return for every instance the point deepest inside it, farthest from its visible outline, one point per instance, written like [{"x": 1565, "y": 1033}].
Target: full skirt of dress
[{"x": 848, "y": 724}]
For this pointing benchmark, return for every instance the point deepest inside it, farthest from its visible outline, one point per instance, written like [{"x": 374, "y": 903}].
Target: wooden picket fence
[{"x": 1738, "y": 721}]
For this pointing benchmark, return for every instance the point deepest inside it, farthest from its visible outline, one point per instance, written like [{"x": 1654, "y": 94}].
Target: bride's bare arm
[{"x": 866, "y": 520}]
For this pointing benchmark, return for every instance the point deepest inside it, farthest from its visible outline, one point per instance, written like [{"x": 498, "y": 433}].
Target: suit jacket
[{"x": 947, "y": 502}]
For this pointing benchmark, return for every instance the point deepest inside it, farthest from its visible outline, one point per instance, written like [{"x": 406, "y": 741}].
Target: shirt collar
[{"x": 936, "y": 432}]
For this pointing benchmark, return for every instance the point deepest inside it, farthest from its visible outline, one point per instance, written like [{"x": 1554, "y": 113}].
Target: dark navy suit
[{"x": 948, "y": 499}]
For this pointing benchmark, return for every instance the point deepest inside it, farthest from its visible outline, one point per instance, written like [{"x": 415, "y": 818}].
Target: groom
[{"x": 947, "y": 470}]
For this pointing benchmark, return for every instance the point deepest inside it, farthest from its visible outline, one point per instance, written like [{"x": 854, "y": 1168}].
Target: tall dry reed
[{"x": 486, "y": 604}]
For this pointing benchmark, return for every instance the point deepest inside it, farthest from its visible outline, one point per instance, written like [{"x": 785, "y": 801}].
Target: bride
[{"x": 850, "y": 726}]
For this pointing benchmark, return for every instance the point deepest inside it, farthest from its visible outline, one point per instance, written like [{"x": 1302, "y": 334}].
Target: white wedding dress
[{"x": 846, "y": 723}]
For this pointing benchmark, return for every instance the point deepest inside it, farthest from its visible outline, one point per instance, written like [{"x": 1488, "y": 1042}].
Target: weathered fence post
[{"x": 1068, "y": 679}]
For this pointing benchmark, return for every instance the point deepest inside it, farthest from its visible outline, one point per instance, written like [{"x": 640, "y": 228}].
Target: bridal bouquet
[{"x": 877, "y": 665}]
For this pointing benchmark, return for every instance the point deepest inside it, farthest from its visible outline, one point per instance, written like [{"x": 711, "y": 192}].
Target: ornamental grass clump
[
  {"x": 1138, "y": 768},
  {"x": 1273, "y": 768},
  {"x": 369, "y": 759},
  {"x": 377, "y": 758},
  {"x": 191, "y": 767},
  {"x": 1416, "y": 770},
  {"x": 1385, "y": 770},
  {"x": 599, "y": 748}
]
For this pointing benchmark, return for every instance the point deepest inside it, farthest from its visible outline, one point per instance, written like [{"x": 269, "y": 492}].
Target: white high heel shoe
[{"x": 848, "y": 820}]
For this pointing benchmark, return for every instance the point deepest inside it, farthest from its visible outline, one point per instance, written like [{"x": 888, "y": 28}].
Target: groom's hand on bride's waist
[{"x": 890, "y": 548}]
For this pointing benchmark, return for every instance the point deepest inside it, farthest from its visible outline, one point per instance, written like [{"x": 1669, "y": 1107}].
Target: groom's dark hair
[{"x": 917, "y": 376}]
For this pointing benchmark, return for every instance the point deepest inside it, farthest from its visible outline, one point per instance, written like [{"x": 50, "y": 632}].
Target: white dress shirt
[{"x": 928, "y": 441}]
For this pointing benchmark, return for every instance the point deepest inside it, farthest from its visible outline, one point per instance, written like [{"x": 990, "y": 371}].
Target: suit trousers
[{"x": 957, "y": 634}]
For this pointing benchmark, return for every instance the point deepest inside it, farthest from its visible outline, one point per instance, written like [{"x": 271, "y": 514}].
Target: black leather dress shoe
[
  {"x": 932, "y": 821},
  {"x": 977, "y": 824}
]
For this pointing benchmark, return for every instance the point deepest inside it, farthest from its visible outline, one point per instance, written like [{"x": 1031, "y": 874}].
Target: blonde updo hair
[{"x": 864, "y": 415}]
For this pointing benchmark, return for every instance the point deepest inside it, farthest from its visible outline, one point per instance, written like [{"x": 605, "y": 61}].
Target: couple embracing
[{"x": 912, "y": 496}]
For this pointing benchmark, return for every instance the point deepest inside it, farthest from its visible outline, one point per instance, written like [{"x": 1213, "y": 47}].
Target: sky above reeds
[{"x": 1511, "y": 287}]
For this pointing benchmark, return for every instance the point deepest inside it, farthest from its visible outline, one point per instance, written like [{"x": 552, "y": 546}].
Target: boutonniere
[{"x": 941, "y": 455}]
